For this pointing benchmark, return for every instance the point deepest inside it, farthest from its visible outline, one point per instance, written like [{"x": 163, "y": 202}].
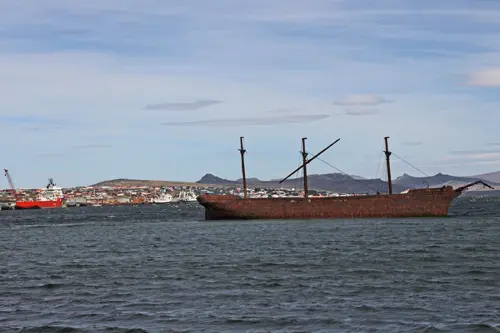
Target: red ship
[
  {"x": 425, "y": 202},
  {"x": 39, "y": 204},
  {"x": 49, "y": 197}
]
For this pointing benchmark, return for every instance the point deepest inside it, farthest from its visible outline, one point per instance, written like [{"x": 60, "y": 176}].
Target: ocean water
[{"x": 164, "y": 269}]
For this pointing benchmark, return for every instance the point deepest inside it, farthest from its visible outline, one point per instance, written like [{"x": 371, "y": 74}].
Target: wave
[{"x": 68, "y": 329}]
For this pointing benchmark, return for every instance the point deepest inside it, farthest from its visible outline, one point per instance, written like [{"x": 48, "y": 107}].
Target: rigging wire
[
  {"x": 378, "y": 169},
  {"x": 297, "y": 182},
  {"x": 380, "y": 161},
  {"x": 378, "y": 165},
  {"x": 411, "y": 165},
  {"x": 371, "y": 188}
]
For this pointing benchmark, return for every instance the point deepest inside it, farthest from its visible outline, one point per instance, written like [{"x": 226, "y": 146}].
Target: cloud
[
  {"x": 92, "y": 146},
  {"x": 91, "y": 65},
  {"x": 257, "y": 121},
  {"x": 475, "y": 152},
  {"x": 361, "y": 112},
  {"x": 51, "y": 155},
  {"x": 182, "y": 106},
  {"x": 287, "y": 110},
  {"x": 485, "y": 78},
  {"x": 474, "y": 156},
  {"x": 361, "y": 100},
  {"x": 483, "y": 156},
  {"x": 412, "y": 143},
  {"x": 29, "y": 125},
  {"x": 448, "y": 163},
  {"x": 25, "y": 119},
  {"x": 39, "y": 128}
]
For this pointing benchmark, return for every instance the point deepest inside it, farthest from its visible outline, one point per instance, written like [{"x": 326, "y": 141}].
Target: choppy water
[{"x": 162, "y": 269}]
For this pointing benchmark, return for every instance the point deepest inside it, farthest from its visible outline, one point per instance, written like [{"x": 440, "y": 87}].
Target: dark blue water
[{"x": 163, "y": 269}]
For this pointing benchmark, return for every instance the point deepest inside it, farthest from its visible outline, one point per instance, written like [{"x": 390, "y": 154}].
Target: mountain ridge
[
  {"x": 490, "y": 176},
  {"x": 336, "y": 182},
  {"x": 349, "y": 184},
  {"x": 143, "y": 182}
]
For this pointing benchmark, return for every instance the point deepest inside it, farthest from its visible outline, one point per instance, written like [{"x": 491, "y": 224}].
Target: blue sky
[{"x": 93, "y": 90}]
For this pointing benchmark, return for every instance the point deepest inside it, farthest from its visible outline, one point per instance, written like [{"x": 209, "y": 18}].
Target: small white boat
[
  {"x": 186, "y": 196},
  {"x": 163, "y": 198}
]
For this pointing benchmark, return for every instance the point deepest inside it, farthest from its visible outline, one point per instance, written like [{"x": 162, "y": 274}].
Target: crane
[{"x": 11, "y": 183}]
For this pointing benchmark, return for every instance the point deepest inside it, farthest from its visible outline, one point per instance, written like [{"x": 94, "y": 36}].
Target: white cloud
[
  {"x": 255, "y": 121},
  {"x": 412, "y": 143},
  {"x": 361, "y": 100},
  {"x": 485, "y": 78},
  {"x": 97, "y": 95},
  {"x": 475, "y": 158},
  {"x": 361, "y": 112},
  {"x": 95, "y": 66},
  {"x": 182, "y": 106},
  {"x": 72, "y": 83},
  {"x": 479, "y": 154}
]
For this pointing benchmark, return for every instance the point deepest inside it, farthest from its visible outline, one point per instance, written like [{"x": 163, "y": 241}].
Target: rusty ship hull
[
  {"x": 425, "y": 202},
  {"x": 430, "y": 202}
]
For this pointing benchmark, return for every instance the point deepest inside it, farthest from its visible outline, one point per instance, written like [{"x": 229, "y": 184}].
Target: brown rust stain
[{"x": 421, "y": 202}]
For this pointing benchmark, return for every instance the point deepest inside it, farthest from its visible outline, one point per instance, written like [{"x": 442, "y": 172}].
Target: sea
[{"x": 163, "y": 269}]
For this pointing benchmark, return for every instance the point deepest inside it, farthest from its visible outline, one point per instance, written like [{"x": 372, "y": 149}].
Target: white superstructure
[{"x": 51, "y": 192}]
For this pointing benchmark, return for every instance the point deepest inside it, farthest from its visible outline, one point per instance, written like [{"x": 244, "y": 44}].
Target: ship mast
[
  {"x": 387, "y": 157},
  {"x": 304, "y": 162},
  {"x": 243, "y": 151}
]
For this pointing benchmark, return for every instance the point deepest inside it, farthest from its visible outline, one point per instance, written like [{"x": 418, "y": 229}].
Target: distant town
[
  {"x": 140, "y": 195},
  {"x": 141, "y": 192}
]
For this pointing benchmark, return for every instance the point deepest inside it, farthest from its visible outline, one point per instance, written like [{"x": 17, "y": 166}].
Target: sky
[{"x": 146, "y": 89}]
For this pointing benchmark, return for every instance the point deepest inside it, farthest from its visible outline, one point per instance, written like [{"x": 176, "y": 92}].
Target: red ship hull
[
  {"x": 416, "y": 203},
  {"x": 39, "y": 204}
]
